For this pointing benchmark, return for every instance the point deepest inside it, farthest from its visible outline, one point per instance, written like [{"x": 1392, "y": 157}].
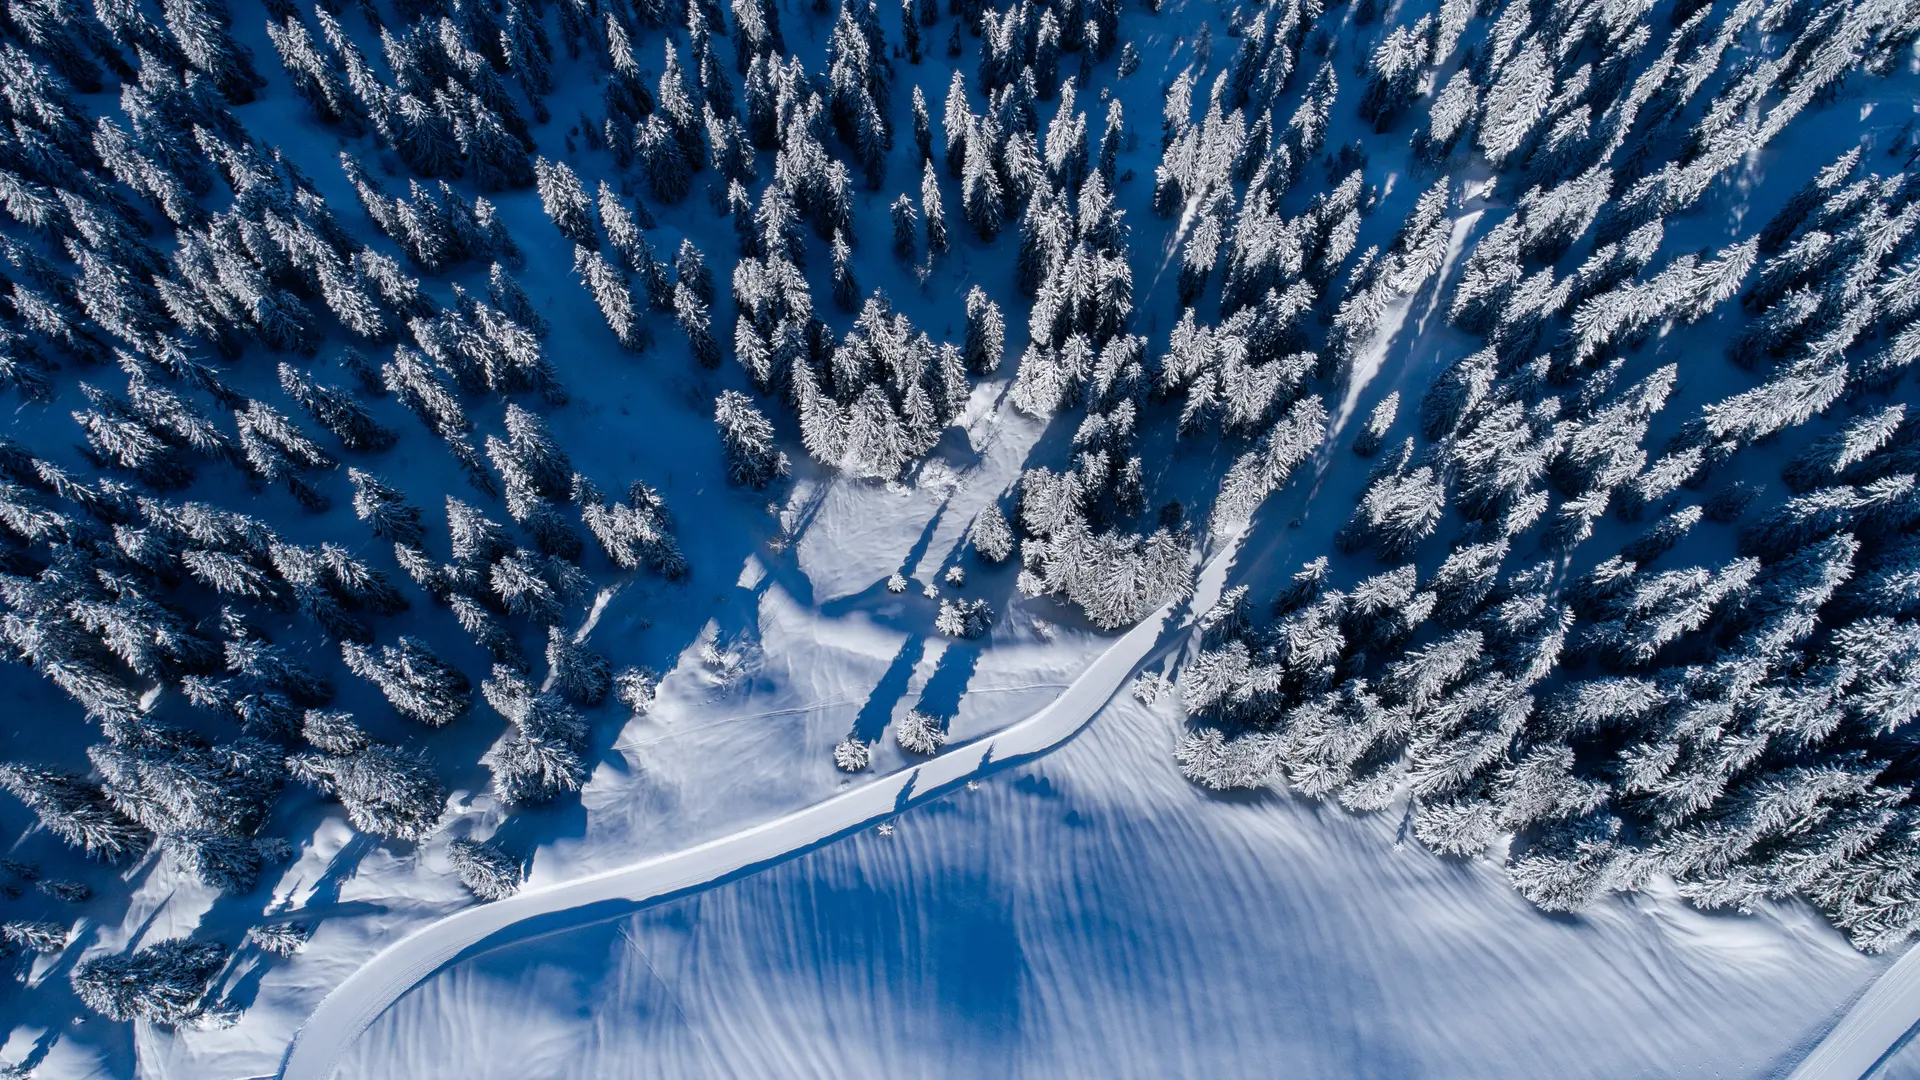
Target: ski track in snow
[
  {"x": 1872, "y": 1028},
  {"x": 352, "y": 1006},
  {"x": 1093, "y": 914}
]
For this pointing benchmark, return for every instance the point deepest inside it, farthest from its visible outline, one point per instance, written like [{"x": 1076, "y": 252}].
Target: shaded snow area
[
  {"x": 1094, "y": 915},
  {"x": 357, "y": 1003},
  {"x": 1322, "y": 538}
]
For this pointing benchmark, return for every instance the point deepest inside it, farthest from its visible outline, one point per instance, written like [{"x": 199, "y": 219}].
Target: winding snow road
[
  {"x": 1871, "y": 1029},
  {"x": 351, "y": 1007}
]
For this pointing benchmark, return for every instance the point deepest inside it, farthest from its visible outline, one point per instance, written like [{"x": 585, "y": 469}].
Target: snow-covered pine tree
[
  {"x": 165, "y": 983},
  {"x": 416, "y": 682},
  {"x": 963, "y": 618},
  {"x": 541, "y": 758},
  {"x": 511, "y": 299},
  {"x": 387, "y": 791},
  {"x": 579, "y": 674},
  {"x": 986, "y": 334},
  {"x": 75, "y": 810},
  {"x": 990, "y": 536},
  {"x": 982, "y": 195},
  {"x": 906, "y": 227},
  {"x": 691, "y": 314},
  {"x": 1379, "y": 422},
  {"x": 385, "y": 510},
  {"x": 1826, "y": 459},
  {"x": 746, "y": 437},
  {"x": 487, "y": 871},
  {"x": 937, "y": 241},
  {"x": 337, "y": 411},
  {"x": 565, "y": 201},
  {"x": 852, "y": 755},
  {"x": 690, "y": 269},
  {"x": 846, "y": 291},
  {"x": 615, "y": 300},
  {"x": 1393, "y": 73},
  {"x": 918, "y": 733}
]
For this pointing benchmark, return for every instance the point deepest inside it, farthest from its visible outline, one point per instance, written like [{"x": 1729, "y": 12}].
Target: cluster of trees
[
  {"x": 1743, "y": 733},
  {"x": 444, "y": 109},
  {"x": 160, "y": 241},
  {"x": 882, "y": 396},
  {"x": 1743, "y": 729}
]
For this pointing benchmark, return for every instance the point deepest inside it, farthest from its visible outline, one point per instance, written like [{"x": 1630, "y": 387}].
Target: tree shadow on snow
[
  {"x": 878, "y": 710},
  {"x": 531, "y": 827},
  {"x": 914, "y": 608},
  {"x": 324, "y": 894},
  {"x": 948, "y": 684}
]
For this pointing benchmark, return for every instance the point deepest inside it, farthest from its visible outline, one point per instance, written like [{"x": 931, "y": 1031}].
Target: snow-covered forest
[
  {"x": 1476, "y": 641},
  {"x": 361, "y": 353}
]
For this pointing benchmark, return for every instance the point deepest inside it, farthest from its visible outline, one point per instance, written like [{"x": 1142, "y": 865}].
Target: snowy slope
[
  {"x": 1094, "y": 915},
  {"x": 355, "y": 1004},
  {"x": 1874, "y": 1030}
]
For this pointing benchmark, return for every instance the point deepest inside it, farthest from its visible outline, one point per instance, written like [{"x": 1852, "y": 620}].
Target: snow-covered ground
[
  {"x": 1093, "y": 914},
  {"x": 540, "y": 912},
  {"x": 1874, "y": 1030},
  {"x": 1090, "y": 913}
]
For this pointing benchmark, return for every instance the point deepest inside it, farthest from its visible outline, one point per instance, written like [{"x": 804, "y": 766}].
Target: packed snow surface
[
  {"x": 350, "y": 1007},
  {"x": 1048, "y": 896},
  {"x": 1092, "y": 914}
]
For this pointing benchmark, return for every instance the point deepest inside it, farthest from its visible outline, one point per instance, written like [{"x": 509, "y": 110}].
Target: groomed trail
[
  {"x": 1871, "y": 1029},
  {"x": 352, "y": 1006}
]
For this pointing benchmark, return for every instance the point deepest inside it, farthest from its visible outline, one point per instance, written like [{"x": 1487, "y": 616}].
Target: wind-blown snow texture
[
  {"x": 355, "y": 1004},
  {"x": 763, "y": 346},
  {"x": 1092, "y": 915}
]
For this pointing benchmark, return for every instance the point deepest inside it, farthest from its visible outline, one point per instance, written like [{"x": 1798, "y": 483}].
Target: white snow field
[
  {"x": 1048, "y": 896},
  {"x": 357, "y": 1002},
  {"x": 1093, "y": 914}
]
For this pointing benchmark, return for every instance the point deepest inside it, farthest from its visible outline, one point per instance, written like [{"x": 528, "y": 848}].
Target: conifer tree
[
  {"x": 746, "y": 436},
  {"x": 510, "y": 298},
  {"x": 206, "y": 41},
  {"x": 956, "y": 123},
  {"x": 540, "y": 758},
  {"x": 982, "y": 196},
  {"x": 691, "y": 314},
  {"x": 918, "y": 733},
  {"x": 416, "y": 682},
  {"x": 846, "y": 292},
  {"x": 1379, "y": 422},
  {"x": 565, "y": 201},
  {"x": 579, "y": 674},
  {"x": 386, "y": 791},
  {"x": 615, "y": 299},
  {"x": 385, "y": 510},
  {"x": 337, "y": 411},
  {"x": 165, "y": 983},
  {"x": 488, "y": 872},
  {"x": 906, "y": 228},
  {"x": 922, "y": 127},
  {"x": 990, "y": 536},
  {"x": 75, "y": 810},
  {"x": 986, "y": 333},
  {"x": 937, "y": 243},
  {"x": 690, "y": 269},
  {"x": 622, "y": 229}
]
